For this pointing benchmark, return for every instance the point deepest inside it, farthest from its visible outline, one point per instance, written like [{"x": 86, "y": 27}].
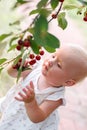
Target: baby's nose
[{"x": 50, "y": 63}]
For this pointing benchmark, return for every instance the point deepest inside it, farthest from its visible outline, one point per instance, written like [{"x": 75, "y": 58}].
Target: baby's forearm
[{"x": 34, "y": 112}]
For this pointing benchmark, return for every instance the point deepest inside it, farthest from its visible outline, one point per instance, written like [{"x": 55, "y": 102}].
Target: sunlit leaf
[
  {"x": 2, "y": 60},
  {"x": 34, "y": 11},
  {"x": 15, "y": 23},
  {"x": 12, "y": 39},
  {"x": 42, "y": 3},
  {"x": 62, "y": 21},
  {"x": 1, "y": 69},
  {"x": 54, "y": 3},
  {"x": 12, "y": 47},
  {"x": 3, "y": 36}
]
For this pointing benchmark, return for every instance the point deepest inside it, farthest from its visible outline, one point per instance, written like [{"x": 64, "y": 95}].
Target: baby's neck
[{"x": 42, "y": 83}]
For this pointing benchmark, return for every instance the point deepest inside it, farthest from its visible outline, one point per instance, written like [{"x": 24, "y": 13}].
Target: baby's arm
[{"x": 37, "y": 113}]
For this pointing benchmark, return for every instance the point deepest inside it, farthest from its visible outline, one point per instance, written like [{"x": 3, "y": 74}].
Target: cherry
[
  {"x": 31, "y": 56},
  {"x": 26, "y": 43},
  {"x": 20, "y": 60},
  {"x": 15, "y": 66},
  {"x": 54, "y": 16},
  {"x": 41, "y": 52},
  {"x": 61, "y": 0},
  {"x": 18, "y": 47},
  {"x": 20, "y": 42},
  {"x": 32, "y": 62},
  {"x": 38, "y": 57},
  {"x": 85, "y": 18}
]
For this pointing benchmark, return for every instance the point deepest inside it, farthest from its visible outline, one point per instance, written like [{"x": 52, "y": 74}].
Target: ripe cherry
[
  {"x": 54, "y": 16},
  {"x": 32, "y": 62},
  {"x": 38, "y": 57},
  {"x": 85, "y": 18},
  {"x": 61, "y": 0},
  {"x": 31, "y": 56},
  {"x": 20, "y": 42},
  {"x": 26, "y": 43},
  {"x": 41, "y": 52},
  {"x": 18, "y": 47}
]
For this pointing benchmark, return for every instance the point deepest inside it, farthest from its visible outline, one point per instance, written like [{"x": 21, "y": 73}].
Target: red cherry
[
  {"x": 41, "y": 52},
  {"x": 26, "y": 43},
  {"x": 20, "y": 60},
  {"x": 38, "y": 57},
  {"x": 32, "y": 62},
  {"x": 20, "y": 42},
  {"x": 54, "y": 16},
  {"x": 18, "y": 47},
  {"x": 85, "y": 18},
  {"x": 15, "y": 66},
  {"x": 61, "y": 0},
  {"x": 31, "y": 56}
]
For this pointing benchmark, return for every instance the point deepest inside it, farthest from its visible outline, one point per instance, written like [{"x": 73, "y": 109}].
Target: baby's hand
[{"x": 28, "y": 95}]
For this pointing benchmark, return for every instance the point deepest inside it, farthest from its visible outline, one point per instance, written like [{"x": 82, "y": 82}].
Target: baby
[{"x": 33, "y": 103}]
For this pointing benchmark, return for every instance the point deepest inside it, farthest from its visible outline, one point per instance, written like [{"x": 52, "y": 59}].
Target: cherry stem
[{"x": 56, "y": 12}]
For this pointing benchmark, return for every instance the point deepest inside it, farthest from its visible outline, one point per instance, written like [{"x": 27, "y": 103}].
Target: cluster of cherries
[{"x": 31, "y": 59}]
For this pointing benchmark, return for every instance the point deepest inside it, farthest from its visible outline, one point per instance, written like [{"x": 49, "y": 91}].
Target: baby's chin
[{"x": 44, "y": 72}]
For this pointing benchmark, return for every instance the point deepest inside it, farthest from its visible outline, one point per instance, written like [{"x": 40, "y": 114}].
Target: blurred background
[{"x": 74, "y": 115}]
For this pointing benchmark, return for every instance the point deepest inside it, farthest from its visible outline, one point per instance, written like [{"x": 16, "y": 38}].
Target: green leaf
[
  {"x": 70, "y": 6},
  {"x": 12, "y": 47},
  {"x": 52, "y": 41},
  {"x": 49, "y": 49},
  {"x": 1, "y": 69},
  {"x": 2, "y": 60},
  {"x": 12, "y": 39},
  {"x": 34, "y": 46},
  {"x": 14, "y": 23},
  {"x": 84, "y": 2},
  {"x": 54, "y": 3},
  {"x": 42, "y": 3},
  {"x": 21, "y": 1},
  {"x": 17, "y": 59},
  {"x": 20, "y": 69},
  {"x": 34, "y": 11},
  {"x": 3, "y": 36},
  {"x": 41, "y": 25},
  {"x": 49, "y": 42},
  {"x": 62, "y": 21}
]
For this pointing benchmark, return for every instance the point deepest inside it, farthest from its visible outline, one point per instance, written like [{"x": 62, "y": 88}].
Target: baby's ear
[{"x": 70, "y": 82}]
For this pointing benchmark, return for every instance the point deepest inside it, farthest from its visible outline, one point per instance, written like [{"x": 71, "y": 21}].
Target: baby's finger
[
  {"x": 26, "y": 91},
  {"x": 22, "y": 95},
  {"x": 31, "y": 85},
  {"x": 18, "y": 98}
]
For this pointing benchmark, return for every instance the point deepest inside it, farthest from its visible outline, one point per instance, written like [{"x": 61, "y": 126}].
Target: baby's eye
[
  {"x": 59, "y": 65},
  {"x": 53, "y": 56}
]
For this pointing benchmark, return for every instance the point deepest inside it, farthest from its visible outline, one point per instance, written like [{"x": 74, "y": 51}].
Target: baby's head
[{"x": 76, "y": 62}]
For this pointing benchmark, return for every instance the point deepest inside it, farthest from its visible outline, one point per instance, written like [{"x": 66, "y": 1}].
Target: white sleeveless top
[{"x": 14, "y": 115}]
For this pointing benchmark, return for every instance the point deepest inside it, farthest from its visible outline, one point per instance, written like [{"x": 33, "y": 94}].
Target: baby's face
[{"x": 56, "y": 67}]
